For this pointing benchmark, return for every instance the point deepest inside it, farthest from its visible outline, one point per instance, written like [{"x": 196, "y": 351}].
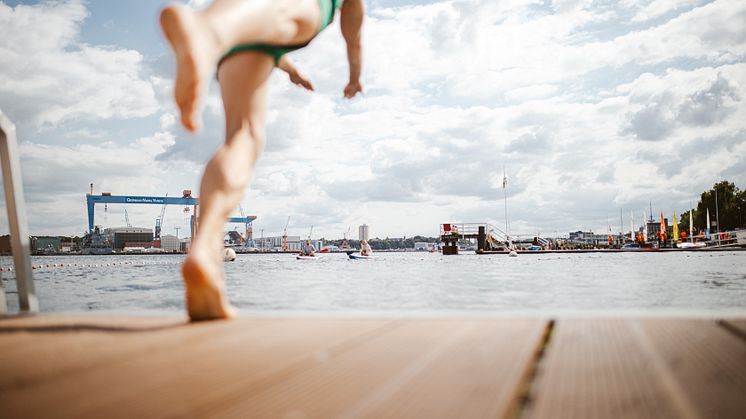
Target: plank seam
[
  {"x": 732, "y": 329},
  {"x": 65, "y": 328},
  {"x": 523, "y": 397}
]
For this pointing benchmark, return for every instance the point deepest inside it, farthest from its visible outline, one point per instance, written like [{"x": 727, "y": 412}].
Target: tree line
[
  {"x": 730, "y": 208},
  {"x": 388, "y": 243}
]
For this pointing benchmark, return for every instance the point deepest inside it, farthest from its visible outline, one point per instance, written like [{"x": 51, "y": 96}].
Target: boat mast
[{"x": 717, "y": 214}]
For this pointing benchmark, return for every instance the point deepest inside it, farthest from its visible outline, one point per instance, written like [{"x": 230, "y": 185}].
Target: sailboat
[{"x": 691, "y": 243}]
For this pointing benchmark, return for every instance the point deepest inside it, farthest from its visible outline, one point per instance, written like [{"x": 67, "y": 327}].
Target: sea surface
[{"x": 403, "y": 282}]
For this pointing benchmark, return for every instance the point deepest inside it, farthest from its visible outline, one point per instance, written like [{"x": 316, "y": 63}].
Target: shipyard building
[{"x": 121, "y": 237}]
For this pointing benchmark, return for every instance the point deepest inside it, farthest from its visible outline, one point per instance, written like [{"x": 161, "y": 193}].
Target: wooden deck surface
[{"x": 293, "y": 367}]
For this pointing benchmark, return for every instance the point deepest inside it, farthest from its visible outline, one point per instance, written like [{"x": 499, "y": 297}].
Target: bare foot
[
  {"x": 205, "y": 298},
  {"x": 196, "y": 51}
]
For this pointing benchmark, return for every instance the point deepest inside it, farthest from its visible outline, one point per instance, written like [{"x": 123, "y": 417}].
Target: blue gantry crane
[{"x": 185, "y": 200}]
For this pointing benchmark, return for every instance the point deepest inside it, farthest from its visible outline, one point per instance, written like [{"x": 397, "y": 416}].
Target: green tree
[{"x": 730, "y": 208}]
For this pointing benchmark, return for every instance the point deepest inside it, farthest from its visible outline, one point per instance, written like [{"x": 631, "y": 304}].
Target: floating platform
[{"x": 327, "y": 367}]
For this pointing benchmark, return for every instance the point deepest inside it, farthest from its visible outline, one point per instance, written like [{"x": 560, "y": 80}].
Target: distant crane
[
  {"x": 248, "y": 230},
  {"x": 285, "y": 236},
  {"x": 310, "y": 232},
  {"x": 127, "y": 218},
  {"x": 159, "y": 222}
]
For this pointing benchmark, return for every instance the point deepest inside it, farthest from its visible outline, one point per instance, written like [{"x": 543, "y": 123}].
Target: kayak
[
  {"x": 358, "y": 256},
  {"x": 307, "y": 257}
]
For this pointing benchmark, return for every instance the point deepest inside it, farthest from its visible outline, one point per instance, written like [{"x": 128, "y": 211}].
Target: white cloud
[
  {"x": 48, "y": 76},
  {"x": 589, "y": 107}
]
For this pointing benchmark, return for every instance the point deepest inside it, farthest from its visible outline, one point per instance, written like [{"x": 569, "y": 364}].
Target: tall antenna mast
[{"x": 505, "y": 193}]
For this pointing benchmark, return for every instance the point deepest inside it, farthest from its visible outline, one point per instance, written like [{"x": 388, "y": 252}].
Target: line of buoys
[{"x": 87, "y": 265}]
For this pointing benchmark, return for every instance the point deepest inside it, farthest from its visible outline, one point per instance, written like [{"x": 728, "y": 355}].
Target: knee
[{"x": 245, "y": 137}]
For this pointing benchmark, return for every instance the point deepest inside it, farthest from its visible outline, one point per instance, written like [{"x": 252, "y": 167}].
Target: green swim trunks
[{"x": 328, "y": 7}]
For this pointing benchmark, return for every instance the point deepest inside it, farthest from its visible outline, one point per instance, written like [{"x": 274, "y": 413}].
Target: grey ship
[{"x": 96, "y": 243}]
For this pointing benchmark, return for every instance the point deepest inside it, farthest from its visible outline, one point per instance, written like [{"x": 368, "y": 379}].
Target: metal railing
[{"x": 16, "y": 206}]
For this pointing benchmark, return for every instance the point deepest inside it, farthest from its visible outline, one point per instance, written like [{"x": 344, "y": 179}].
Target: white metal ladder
[{"x": 19, "y": 238}]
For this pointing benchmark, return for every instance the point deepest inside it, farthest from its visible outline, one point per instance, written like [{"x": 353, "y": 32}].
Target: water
[{"x": 405, "y": 282}]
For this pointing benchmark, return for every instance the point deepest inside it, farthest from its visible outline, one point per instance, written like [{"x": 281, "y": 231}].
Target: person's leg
[
  {"x": 243, "y": 83},
  {"x": 198, "y": 38}
]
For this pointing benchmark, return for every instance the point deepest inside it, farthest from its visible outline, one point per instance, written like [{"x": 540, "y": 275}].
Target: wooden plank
[
  {"x": 641, "y": 368},
  {"x": 596, "y": 369},
  {"x": 44, "y": 346},
  {"x": 706, "y": 361},
  {"x": 424, "y": 369},
  {"x": 176, "y": 380}
]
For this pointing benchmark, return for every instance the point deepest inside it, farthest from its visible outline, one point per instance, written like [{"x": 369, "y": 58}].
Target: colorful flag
[{"x": 675, "y": 228}]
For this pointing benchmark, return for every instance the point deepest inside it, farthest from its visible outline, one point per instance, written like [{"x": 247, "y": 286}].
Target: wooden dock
[{"x": 380, "y": 367}]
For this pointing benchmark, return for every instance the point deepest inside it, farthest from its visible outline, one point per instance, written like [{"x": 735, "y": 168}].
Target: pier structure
[{"x": 487, "y": 235}]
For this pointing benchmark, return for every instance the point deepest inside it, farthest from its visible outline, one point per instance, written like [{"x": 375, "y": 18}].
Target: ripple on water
[{"x": 406, "y": 282}]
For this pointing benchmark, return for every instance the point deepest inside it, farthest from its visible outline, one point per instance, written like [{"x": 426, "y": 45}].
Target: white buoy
[{"x": 229, "y": 255}]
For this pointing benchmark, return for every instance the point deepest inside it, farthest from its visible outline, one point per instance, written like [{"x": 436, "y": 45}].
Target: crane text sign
[{"x": 144, "y": 200}]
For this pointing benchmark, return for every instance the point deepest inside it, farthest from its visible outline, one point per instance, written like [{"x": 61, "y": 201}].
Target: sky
[{"x": 592, "y": 108}]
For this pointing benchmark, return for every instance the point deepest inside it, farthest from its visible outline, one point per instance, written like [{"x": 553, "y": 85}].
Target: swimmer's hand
[
  {"x": 301, "y": 80},
  {"x": 353, "y": 87},
  {"x": 286, "y": 65}
]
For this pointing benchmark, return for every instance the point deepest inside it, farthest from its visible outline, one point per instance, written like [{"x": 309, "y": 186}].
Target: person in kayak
[
  {"x": 246, "y": 40},
  {"x": 307, "y": 249},
  {"x": 365, "y": 249}
]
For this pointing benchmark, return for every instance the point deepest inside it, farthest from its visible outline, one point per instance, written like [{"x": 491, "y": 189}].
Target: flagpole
[{"x": 505, "y": 193}]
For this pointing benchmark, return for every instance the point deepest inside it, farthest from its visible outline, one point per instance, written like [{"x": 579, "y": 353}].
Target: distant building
[
  {"x": 654, "y": 227},
  {"x": 170, "y": 243},
  {"x": 5, "y": 245},
  {"x": 121, "y": 237},
  {"x": 590, "y": 238},
  {"x": 45, "y": 244},
  {"x": 363, "y": 232},
  {"x": 268, "y": 243},
  {"x": 423, "y": 246}
]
